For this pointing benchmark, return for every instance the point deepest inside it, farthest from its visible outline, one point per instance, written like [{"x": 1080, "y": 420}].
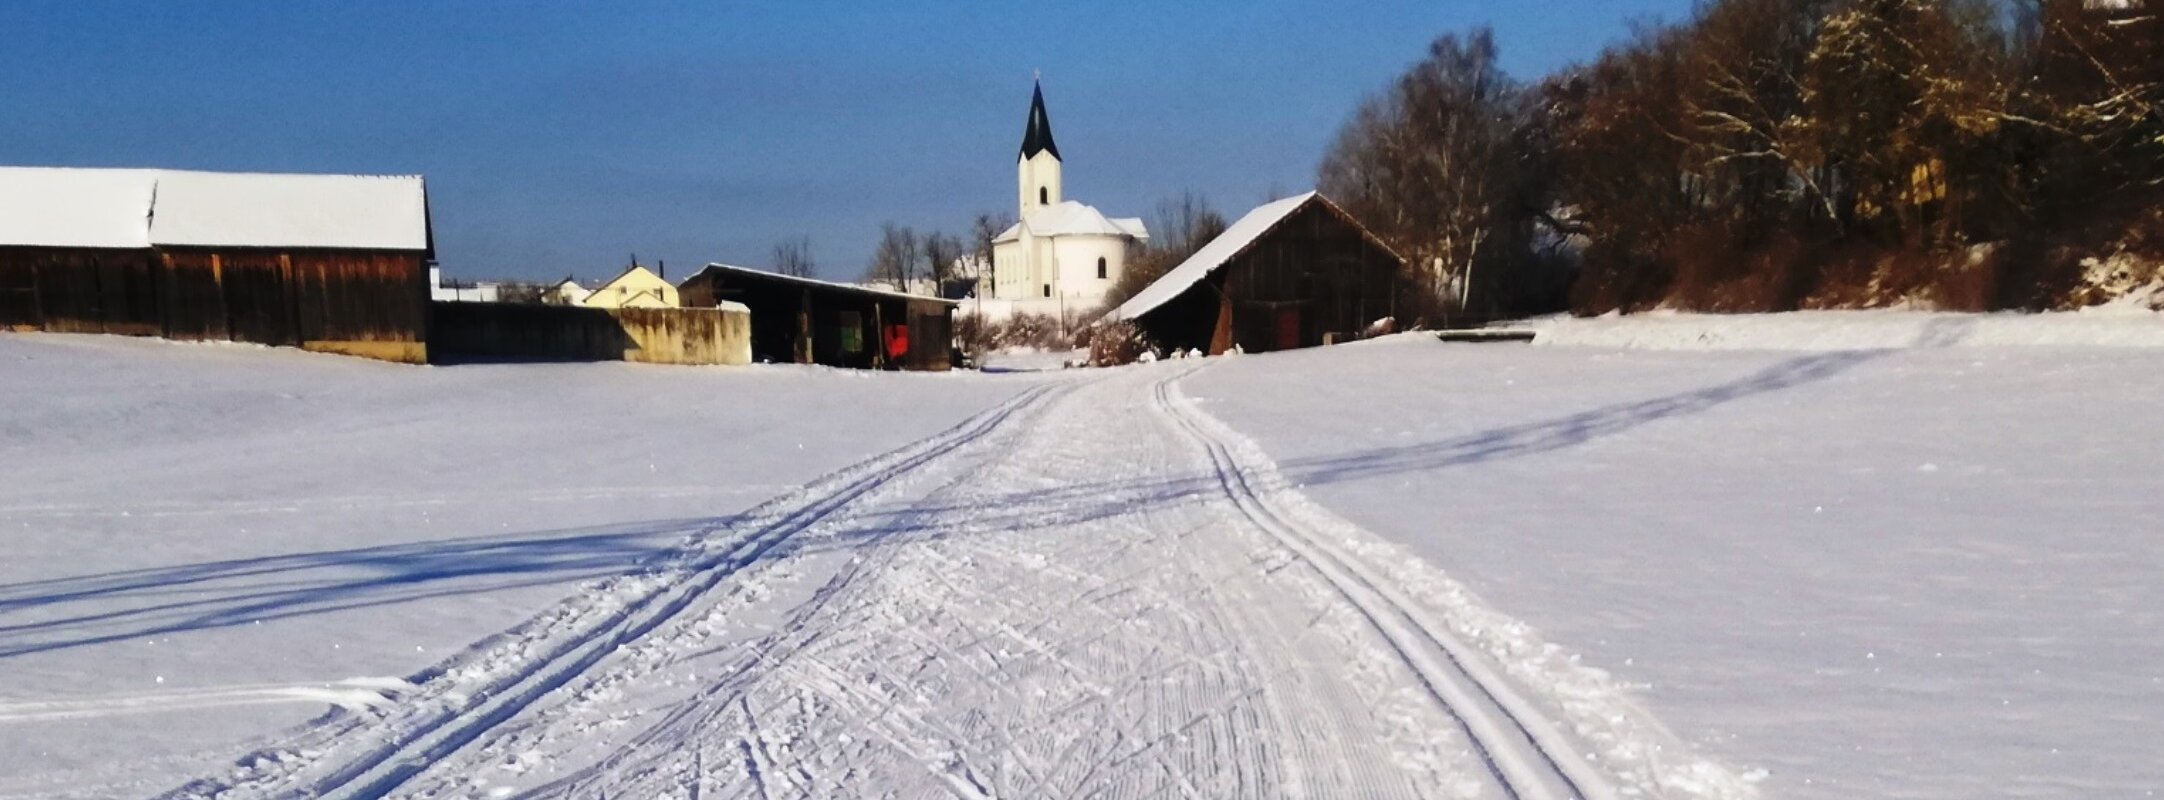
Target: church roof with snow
[{"x": 1071, "y": 218}]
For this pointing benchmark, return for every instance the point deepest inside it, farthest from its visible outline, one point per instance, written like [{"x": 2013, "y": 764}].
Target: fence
[{"x": 466, "y": 332}]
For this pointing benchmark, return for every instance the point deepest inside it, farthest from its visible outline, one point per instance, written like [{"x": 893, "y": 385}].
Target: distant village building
[
  {"x": 1298, "y": 272},
  {"x": 450, "y": 290},
  {"x": 810, "y": 321},
  {"x": 567, "y": 292},
  {"x": 1063, "y": 256},
  {"x": 335, "y": 263},
  {"x": 636, "y": 287}
]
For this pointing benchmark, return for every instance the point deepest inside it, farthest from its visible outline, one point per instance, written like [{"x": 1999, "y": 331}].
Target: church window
[
  {"x": 1048, "y": 290},
  {"x": 1100, "y": 268},
  {"x": 1044, "y": 196}
]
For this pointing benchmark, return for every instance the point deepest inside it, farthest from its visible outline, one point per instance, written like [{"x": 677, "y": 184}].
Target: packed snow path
[{"x": 1094, "y": 589}]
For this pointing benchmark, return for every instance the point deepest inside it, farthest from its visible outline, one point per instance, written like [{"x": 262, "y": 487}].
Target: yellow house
[{"x": 638, "y": 287}]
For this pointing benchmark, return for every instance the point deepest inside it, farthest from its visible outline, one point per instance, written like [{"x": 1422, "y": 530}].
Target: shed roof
[
  {"x": 815, "y": 283},
  {"x": 1236, "y": 239},
  {"x": 137, "y": 208}
]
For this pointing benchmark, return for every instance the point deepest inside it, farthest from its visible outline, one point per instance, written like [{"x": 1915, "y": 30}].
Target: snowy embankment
[
  {"x": 2123, "y": 326},
  {"x": 1925, "y": 571},
  {"x": 207, "y": 544}
]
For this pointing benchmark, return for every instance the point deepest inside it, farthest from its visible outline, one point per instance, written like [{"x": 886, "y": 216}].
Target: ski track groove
[
  {"x": 381, "y": 769},
  {"x": 1132, "y": 651},
  {"x": 796, "y": 638},
  {"x": 1528, "y": 758}
]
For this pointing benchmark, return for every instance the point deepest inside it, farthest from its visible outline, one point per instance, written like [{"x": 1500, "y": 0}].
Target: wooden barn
[
  {"x": 809, "y": 321},
  {"x": 335, "y": 263},
  {"x": 1298, "y": 272}
]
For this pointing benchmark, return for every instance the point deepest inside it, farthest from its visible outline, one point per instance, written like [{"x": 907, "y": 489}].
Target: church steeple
[
  {"x": 1038, "y": 170},
  {"x": 1038, "y": 139}
]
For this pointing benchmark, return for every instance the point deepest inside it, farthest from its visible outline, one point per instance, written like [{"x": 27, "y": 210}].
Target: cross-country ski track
[{"x": 1093, "y": 589}]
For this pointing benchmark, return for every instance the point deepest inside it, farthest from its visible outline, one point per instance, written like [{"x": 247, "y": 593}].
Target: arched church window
[
  {"x": 1100, "y": 268},
  {"x": 1044, "y": 196},
  {"x": 1048, "y": 290}
]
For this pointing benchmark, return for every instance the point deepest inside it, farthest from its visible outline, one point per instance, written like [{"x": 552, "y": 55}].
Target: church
[{"x": 1063, "y": 256}]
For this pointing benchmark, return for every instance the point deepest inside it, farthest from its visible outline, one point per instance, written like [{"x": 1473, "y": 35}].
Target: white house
[{"x": 1063, "y": 256}]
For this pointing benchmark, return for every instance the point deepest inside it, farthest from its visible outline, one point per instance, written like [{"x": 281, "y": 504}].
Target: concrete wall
[{"x": 512, "y": 332}]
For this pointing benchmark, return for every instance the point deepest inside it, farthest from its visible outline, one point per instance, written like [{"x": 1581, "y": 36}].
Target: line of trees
[{"x": 1777, "y": 154}]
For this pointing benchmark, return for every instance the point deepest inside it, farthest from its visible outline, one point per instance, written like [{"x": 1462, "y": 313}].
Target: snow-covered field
[
  {"x": 1753, "y": 561},
  {"x": 198, "y": 538},
  {"x": 1926, "y": 572}
]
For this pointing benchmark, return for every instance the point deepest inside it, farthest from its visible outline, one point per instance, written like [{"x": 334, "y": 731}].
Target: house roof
[
  {"x": 1038, "y": 137},
  {"x": 630, "y": 271},
  {"x": 1227, "y": 246},
  {"x": 137, "y": 208},
  {"x": 815, "y": 283},
  {"x": 1071, "y": 218}
]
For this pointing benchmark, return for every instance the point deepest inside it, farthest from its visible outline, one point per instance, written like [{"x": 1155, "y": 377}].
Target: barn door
[{"x": 1288, "y": 328}]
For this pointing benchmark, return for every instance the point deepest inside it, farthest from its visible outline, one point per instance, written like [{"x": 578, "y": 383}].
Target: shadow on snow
[{"x": 87, "y": 610}]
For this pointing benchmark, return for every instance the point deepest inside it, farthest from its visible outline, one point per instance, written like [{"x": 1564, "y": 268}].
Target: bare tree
[
  {"x": 942, "y": 256},
  {"x": 793, "y": 257},
  {"x": 895, "y": 260},
  {"x": 1179, "y": 226},
  {"x": 983, "y": 229},
  {"x": 1430, "y": 163}
]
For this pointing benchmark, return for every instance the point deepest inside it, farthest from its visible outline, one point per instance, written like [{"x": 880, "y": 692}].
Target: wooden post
[
  {"x": 879, "y": 335},
  {"x": 1221, "y": 338},
  {"x": 804, "y": 331}
]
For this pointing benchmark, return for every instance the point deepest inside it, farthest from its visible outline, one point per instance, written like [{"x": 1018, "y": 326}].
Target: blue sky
[{"x": 558, "y": 138}]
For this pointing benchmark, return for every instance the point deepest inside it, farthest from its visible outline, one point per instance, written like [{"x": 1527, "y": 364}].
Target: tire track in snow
[
  {"x": 1529, "y": 757},
  {"x": 448, "y": 711}
]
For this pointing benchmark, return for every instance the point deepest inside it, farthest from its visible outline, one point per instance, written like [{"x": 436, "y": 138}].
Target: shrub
[{"x": 1118, "y": 342}]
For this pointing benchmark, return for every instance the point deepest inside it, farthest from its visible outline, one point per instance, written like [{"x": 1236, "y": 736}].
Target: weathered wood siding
[
  {"x": 806, "y": 323},
  {"x": 518, "y": 332},
  {"x": 1314, "y": 276},
  {"x": 363, "y": 303}
]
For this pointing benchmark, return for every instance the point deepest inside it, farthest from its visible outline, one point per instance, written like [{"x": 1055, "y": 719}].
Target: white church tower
[
  {"x": 1063, "y": 256},
  {"x": 1039, "y": 167}
]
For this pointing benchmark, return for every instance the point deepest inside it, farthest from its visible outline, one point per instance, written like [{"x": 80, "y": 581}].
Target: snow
[
  {"x": 1397, "y": 568},
  {"x": 137, "y": 208},
  {"x": 1074, "y": 218},
  {"x": 1923, "y": 572},
  {"x": 817, "y": 283},
  {"x": 51, "y": 207},
  {"x": 201, "y": 537},
  {"x": 1225, "y": 247},
  {"x": 360, "y": 212},
  {"x": 2110, "y": 326}
]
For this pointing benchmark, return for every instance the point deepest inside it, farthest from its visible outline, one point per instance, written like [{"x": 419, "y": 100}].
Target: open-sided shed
[
  {"x": 337, "y": 263},
  {"x": 1297, "y": 272},
  {"x": 810, "y": 321}
]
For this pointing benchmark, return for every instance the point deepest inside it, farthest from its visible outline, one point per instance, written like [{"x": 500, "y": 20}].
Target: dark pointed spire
[{"x": 1038, "y": 139}]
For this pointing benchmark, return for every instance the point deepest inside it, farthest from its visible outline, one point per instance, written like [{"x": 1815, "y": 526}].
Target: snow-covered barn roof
[
  {"x": 817, "y": 283},
  {"x": 101, "y": 208},
  {"x": 1226, "y": 247},
  {"x": 1071, "y": 218},
  {"x": 137, "y": 208}
]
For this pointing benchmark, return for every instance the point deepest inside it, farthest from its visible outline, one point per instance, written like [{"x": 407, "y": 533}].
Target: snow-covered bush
[{"x": 1119, "y": 342}]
